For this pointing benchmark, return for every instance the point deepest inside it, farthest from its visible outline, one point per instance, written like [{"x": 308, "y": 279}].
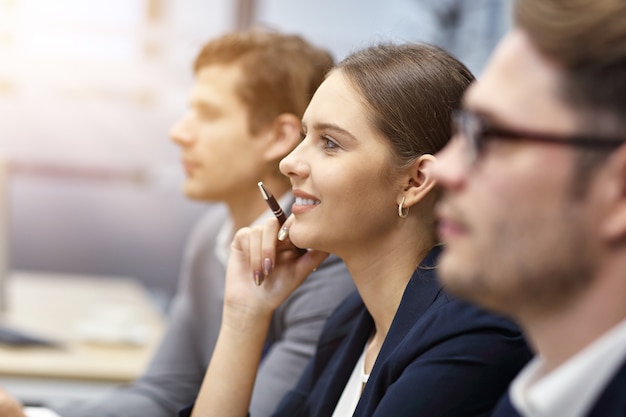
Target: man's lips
[
  {"x": 189, "y": 166},
  {"x": 448, "y": 229},
  {"x": 448, "y": 224}
]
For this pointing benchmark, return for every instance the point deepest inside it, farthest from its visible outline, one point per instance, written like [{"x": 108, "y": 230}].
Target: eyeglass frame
[{"x": 476, "y": 137}]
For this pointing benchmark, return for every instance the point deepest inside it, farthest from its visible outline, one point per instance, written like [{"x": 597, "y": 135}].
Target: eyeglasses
[{"x": 474, "y": 130}]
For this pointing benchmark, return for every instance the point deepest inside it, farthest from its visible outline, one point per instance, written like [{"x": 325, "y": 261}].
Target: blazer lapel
[
  {"x": 335, "y": 364},
  {"x": 420, "y": 293},
  {"x": 612, "y": 401}
]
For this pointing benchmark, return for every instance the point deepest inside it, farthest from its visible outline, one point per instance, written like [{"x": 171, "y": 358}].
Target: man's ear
[
  {"x": 613, "y": 185},
  {"x": 282, "y": 137},
  {"x": 419, "y": 180}
]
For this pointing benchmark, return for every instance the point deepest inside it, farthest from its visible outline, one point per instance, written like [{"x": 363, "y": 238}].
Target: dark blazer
[
  {"x": 441, "y": 357},
  {"x": 610, "y": 403}
]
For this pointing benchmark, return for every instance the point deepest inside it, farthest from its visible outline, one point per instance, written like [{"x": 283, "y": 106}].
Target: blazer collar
[{"x": 420, "y": 293}]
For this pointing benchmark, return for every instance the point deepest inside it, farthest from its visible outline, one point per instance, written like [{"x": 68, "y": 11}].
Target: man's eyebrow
[
  {"x": 488, "y": 116},
  {"x": 202, "y": 105}
]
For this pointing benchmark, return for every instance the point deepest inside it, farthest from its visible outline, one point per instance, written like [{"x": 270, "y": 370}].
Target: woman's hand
[
  {"x": 262, "y": 271},
  {"x": 9, "y": 406}
]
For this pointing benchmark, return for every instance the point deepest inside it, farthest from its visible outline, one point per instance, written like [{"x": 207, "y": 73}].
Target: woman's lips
[{"x": 304, "y": 203}]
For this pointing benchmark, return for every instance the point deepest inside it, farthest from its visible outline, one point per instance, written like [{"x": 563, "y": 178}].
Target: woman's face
[{"x": 342, "y": 176}]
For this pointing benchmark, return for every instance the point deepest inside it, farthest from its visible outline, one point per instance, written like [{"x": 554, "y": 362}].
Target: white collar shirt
[{"x": 571, "y": 389}]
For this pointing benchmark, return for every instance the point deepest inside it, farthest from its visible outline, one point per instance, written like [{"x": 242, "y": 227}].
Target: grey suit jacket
[{"x": 174, "y": 375}]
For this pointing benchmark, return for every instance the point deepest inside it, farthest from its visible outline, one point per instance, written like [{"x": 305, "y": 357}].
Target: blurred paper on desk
[
  {"x": 113, "y": 325},
  {"x": 39, "y": 412}
]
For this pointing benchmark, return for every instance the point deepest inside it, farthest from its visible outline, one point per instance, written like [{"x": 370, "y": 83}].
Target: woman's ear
[
  {"x": 282, "y": 137},
  {"x": 419, "y": 180}
]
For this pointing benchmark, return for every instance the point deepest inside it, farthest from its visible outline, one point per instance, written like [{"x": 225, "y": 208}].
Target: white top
[
  {"x": 352, "y": 391},
  {"x": 571, "y": 389}
]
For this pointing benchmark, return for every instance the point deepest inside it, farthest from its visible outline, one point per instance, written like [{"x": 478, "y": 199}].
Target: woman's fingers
[
  {"x": 240, "y": 242},
  {"x": 283, "y": 237},
  {"x": 245, "y": 253},
  {"x": 254, "y": 254},
  {"x": 257, "y": 247},
  {"x": 269, "y": 242},
  {"x": 263, "y": 252},
  {"x": 283, "y": 233}
]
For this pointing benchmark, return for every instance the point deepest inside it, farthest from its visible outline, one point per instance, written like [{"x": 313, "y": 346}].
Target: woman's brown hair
[{"x": 411, "y": 91}]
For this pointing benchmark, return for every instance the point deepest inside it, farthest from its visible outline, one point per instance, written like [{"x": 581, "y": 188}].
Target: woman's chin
[{"x": 300, "y": 238}]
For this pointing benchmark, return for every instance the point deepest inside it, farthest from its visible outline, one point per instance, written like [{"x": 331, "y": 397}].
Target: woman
[{"x": 364, "y": 191}]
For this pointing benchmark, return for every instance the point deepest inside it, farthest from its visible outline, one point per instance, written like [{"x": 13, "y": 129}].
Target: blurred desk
[{"x": 54, "y": 306}]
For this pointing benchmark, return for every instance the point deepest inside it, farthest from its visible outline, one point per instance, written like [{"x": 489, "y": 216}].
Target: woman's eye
[{"x": 329, "y": 143}]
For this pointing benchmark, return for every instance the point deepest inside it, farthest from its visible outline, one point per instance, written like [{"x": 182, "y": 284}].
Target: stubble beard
[{"x": 522, "y": 274}]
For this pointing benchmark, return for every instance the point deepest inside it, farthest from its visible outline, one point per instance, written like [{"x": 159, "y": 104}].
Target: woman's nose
[{"x": 294, "y": 164}]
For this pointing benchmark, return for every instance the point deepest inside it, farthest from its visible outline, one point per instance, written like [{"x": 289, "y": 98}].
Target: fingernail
[
  {"x": 258, "y": 278},
  {"x": 282, "y": 233},
  {"x": 267, "y": 266}
]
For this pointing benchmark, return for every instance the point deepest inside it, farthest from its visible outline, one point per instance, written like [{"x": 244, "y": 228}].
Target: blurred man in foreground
[{"x": 534, "y": 208}]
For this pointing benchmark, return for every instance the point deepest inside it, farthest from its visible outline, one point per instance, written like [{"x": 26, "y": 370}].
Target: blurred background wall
[{"x": 89, "y": 182}]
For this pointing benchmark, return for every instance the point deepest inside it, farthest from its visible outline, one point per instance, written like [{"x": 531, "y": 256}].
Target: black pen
[
  {"x": 274, "y": 206},
  {"x": 276, "y": 209}
]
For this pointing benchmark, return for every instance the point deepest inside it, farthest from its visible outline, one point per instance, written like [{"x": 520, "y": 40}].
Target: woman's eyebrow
[{"x": 333, "y": 127}]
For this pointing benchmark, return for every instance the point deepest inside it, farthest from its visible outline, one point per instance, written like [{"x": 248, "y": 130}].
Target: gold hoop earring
[{"x": 402, "y": 212}]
